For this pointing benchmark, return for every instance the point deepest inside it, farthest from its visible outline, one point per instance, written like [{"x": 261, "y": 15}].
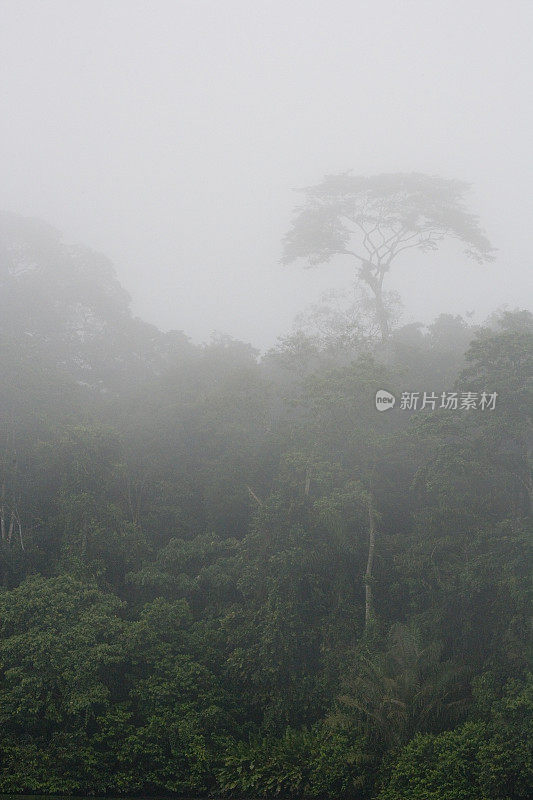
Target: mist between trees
[{"x": 227, "y": 573}]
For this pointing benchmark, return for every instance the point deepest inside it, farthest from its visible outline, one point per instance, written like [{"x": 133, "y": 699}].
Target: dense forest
[{"x": 227, "y": 573}]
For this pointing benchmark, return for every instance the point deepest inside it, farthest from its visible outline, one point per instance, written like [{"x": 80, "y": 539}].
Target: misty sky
[{"x": 169, "y": 136}]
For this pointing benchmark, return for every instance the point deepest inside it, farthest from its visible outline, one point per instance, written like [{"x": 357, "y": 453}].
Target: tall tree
[{"x": 374, "y": 219}]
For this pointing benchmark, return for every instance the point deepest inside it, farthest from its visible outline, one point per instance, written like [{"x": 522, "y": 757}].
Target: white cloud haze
[{"x": 169, "y": 135}]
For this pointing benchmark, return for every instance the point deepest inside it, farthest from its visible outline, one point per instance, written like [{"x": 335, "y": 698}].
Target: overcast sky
[{"x": 169, "y": 135}]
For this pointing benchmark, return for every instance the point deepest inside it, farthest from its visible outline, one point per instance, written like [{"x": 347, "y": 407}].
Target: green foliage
[
  {"x": 185, "y": 535},
  {"x": 61, "y": 654},
  {"x": 89, "y": 701},
  {"x": 309, "y": 763},
  {"x": 400, "y": 689},
  {"x": 490, "y": 758},
  {"x": 442, "y": 767}
]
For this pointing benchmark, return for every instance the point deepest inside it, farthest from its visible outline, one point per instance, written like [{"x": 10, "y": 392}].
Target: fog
[
  {"x": 260, "y": 539},
  {"x": 170, "y": 137}
]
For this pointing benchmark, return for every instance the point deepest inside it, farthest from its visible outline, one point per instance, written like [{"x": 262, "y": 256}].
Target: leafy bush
[
  {"x": 481, "y": 759},
  {"x": 311, "y": 763}
]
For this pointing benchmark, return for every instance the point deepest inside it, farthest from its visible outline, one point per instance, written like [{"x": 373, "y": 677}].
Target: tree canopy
[
  {"x": 184, "y": 561},
  {"x": 374, "y": 219}
]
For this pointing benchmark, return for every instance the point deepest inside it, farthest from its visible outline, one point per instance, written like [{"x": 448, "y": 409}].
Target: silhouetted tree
[{"x": 374, "y": 219}]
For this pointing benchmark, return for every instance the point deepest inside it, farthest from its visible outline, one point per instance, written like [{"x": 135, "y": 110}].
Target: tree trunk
[
  {"x": 369, "y": 600},
  {"x": 3, "y": 510},
  {"x": 11, "y": 526},
  {"x": 19, "y": 526},
  {"x": 373, "y": 277},
  {"x": 381, "y": 314}
]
